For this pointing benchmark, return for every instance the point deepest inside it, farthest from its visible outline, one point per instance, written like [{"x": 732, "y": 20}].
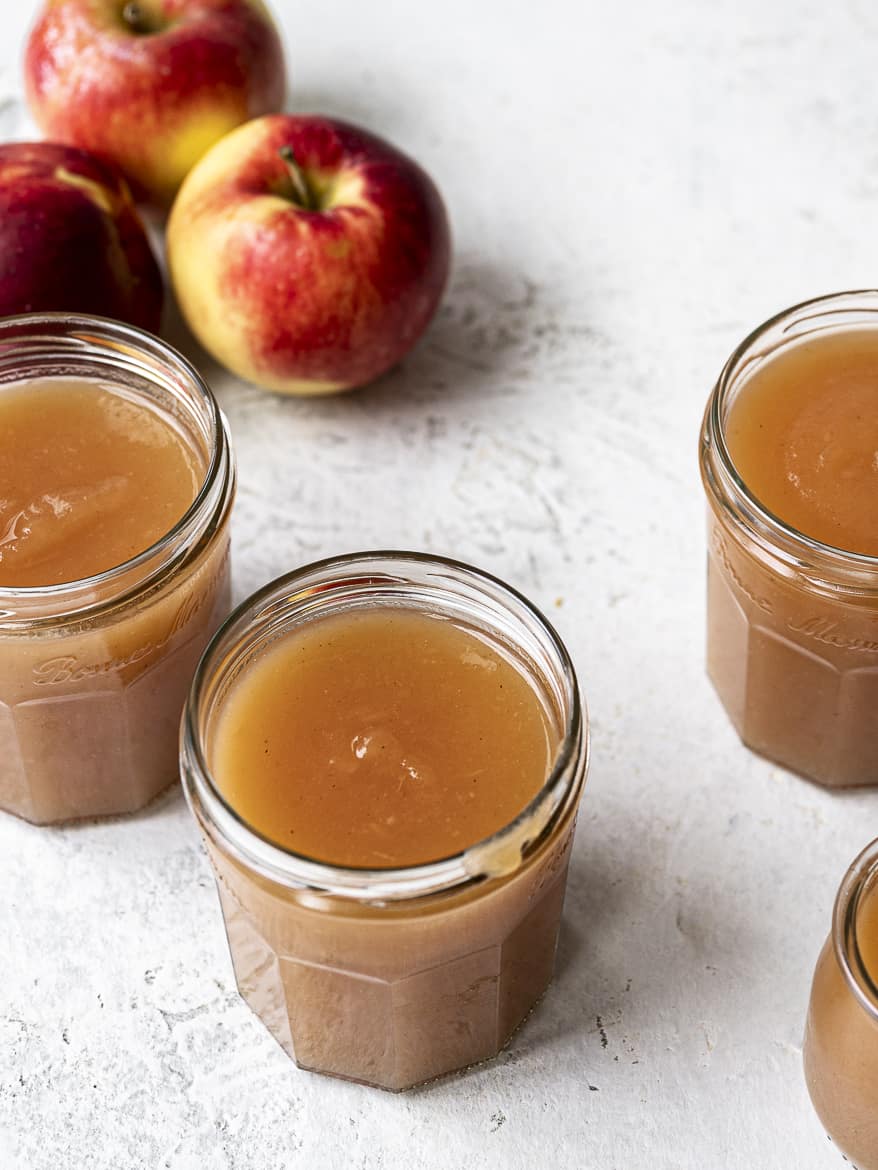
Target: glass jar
[
  {"x": 841, "y": 1034},
  {"x": 792, "y": 624},
  {"x": 392, "y": 976},
  {"x": 94, "y": 673}
]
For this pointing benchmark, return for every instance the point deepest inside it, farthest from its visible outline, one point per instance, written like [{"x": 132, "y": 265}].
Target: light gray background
[{"x": 632, "y": 188}]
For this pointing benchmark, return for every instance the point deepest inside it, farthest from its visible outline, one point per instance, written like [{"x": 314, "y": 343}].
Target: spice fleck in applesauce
[
  {"x": 790, "y": 464},
  {"x": 96, "y": 656},
  {"x": 381, "y": 738}
]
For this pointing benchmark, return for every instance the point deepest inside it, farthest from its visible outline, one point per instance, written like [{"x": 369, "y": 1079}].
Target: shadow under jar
[
  {"x": 841, "y": 1034},
  {"x": 789, "y": 461},
  {"x": 389, "y": 974},
  {"x": 94, "y": 670}
]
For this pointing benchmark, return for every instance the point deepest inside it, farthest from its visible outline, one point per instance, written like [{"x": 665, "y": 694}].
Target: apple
[
  {"x": 307, "y": 255},
  {"x": 71, "y": 239},
  {"x": 152, "y": 84}
]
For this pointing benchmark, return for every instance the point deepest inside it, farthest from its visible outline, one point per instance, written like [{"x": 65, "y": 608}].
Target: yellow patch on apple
[
  {"x": 95, "y": 192},
  {"x": 191, "y": 141}
]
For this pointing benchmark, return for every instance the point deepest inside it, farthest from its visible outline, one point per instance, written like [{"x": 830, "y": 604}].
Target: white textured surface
[{"x": 632, "y": 188}]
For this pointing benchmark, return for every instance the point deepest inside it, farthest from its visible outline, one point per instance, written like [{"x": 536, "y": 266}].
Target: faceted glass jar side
[
  {"x": 94, "y": 674},
  {"x": 392, "y": 977},
  {"x": 792, "y": 624},
  {"x": 795, "y": 668},
  {"x": 397, "y": 995},
  {"x": 841, "y": 1034}
]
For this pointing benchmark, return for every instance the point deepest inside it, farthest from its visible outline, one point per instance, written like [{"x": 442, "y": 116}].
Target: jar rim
[
  {"x": 862, "y": 875},
  {"x": 501, "y": 852},
  {"x": 719, "y": 473},
  {"x": 79, "y": 332}
]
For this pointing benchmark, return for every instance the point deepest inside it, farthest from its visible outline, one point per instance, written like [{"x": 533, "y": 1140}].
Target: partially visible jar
[
  {"x": 392, "y": 976},
  {"x": 792, "y": 624},
  {"x": 94, "y": 673},
  {"x": 841, "y": 1035}
]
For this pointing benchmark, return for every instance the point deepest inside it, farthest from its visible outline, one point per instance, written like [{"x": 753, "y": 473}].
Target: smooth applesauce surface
[
  {"x": 803, "y": 435},
  {"x": 380, "y": 738},
  {"x": 89, "y": 478}
]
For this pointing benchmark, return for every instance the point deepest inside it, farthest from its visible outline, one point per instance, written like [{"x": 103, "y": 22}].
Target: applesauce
[
  {"x": 841, "y": 1035},
  {"x": 116, "y": 482},
  {"x": 89, "y": 477},
  {"x": 385, "y": 755},
  {"x": 789, "y": 459},
  {"x": 411, "y": 740}
]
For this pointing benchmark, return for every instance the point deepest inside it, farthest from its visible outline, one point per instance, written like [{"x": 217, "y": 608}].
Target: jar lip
[
  {"x": 762, "y": 522},
  {"x": 862, "y": 873},
  {"x": 82, "y": 329},
  {"x": 479, "y": 861}
]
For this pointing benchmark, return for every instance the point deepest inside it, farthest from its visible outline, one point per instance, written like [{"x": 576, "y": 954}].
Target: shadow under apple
[{"x": 492, "y": 332}]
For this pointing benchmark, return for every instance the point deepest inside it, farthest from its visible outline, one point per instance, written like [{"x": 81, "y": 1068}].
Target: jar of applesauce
[
  {"x": 116, "y": 485},
  {"x": 789, "y": 461},
  {"x": 841, "y": 1035},
  {"x": 385, "y": 754}
]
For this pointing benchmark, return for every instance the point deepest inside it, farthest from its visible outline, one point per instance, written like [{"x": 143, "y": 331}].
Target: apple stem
[
  {"x": 136, "y": 18},
  {"x": 301, "y": 194}
]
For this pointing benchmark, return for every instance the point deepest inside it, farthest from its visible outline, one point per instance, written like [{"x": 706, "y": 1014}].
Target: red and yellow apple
[
  {"x": 71, "y": 239},
  {"x": 152, "y": 84},
  {"x": 307, "y": 255}
]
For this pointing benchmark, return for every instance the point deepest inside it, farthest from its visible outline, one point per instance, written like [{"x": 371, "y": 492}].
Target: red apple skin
[
  {"x": 308, "y": 301},
  {"x": 152, "y": 102},
  {"x": 71, "y": 239}
]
